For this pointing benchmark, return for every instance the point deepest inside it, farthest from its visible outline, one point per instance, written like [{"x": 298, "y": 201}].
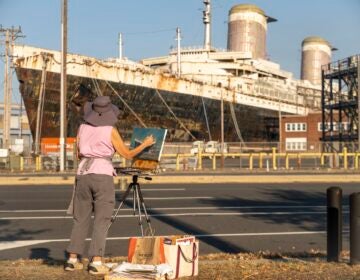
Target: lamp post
[
  {"x": 63, "y": 85},
  {"x": 222, "y": 130},
  {"x": 358, "y": 97}
]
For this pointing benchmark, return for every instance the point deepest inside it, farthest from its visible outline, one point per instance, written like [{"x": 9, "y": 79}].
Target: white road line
[
  {"x": 185, "y": 214},
  {"x": 236, "y": 207},
  {"x": 179, "y": 197},
  {"x": 158, "y": 190},
  {"x": 4, "y": 245},
  {"x": 179, "y": 208},
  {"x": 31, "y": 211}
]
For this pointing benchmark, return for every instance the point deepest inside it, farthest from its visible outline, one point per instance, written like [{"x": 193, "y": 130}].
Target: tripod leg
[
  {"x": 145, "y": 211},
  {"x": 134, "y": 200},
  {"x": 126, "y": 193},
  {"x": 136, "y": 191}
]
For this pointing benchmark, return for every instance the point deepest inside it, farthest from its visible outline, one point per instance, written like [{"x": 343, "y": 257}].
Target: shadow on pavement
[
  {"x": 186, "y": 228},
  {"x": 308, "y": 208},
  {"x": 8, "y": 234}
]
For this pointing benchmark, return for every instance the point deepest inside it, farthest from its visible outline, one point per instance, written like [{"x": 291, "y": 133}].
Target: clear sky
[{"x": 148, "y": 26}]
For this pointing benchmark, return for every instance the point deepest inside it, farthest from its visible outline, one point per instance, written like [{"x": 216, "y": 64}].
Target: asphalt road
[{"x": 225, "y": 217}]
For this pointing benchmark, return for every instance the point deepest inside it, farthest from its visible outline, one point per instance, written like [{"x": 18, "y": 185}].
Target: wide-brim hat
[{"x": 101, "y": 112}]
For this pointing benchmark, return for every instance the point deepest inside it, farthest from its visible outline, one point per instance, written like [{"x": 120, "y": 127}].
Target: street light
[{"x": 63, "y": 84}]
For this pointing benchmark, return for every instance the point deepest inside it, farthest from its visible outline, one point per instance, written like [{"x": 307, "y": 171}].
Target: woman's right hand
[{"x": 149, "y": 141}]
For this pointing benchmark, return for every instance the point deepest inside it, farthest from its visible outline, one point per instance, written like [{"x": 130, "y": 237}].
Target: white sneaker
[
  {"x": 71, "y": 266},
  {"x": 98, "y": 269}
]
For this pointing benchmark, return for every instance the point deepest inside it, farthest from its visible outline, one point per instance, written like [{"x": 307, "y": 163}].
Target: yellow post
[
  {"x": 322, "y": 159},
  {"x": 345, "y": 156},
  {"x": 356, "y": 160},
  {"x": 261, "y": 160},
  {"x": 214, "y": 162},
  {"x": 124, "y": 162},
  {"x": 251, "y": 157},
  {"x": 177, "y": 162},
  {"x": 287, "y": 161},
  {"x": 21, "y": 164},
  {"x": 199, "y": 167},
  {"x": 38, "y": 163},
  {"x": 299, "y": 160},
  {"x": 274, "y": 158}
]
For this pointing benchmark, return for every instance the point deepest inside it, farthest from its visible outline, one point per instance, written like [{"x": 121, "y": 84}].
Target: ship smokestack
[
  {"x": 315, "y": 52},
  {"x": 207, "y": 23},
  {"x": 247, "y": 30}
]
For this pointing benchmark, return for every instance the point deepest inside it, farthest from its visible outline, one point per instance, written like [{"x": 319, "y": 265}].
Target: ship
[{"x": 195, "y": 93}]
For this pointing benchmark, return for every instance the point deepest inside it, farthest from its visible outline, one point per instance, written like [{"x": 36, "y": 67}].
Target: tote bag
[
  {"x": 146, "y": 250},
  {"x": 184, "y": 259}
]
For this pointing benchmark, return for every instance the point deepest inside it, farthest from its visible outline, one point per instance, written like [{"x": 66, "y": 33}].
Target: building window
[
  {"x": 296, "y": 144},
  {"x": 295, "y": 127},
  {"x": 344, "y": 126}
]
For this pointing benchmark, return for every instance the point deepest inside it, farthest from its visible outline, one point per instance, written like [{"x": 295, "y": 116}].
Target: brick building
[{"x": 301, "y": 133}]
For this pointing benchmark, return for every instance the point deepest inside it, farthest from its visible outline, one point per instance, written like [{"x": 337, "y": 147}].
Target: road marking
[
  {"x": 179, "y": 197},
  {"x": 185, "y": 214},
  {"x": 158, "y": 190},
  {"x": 4, "y": 245},
  {"x": 179, "y": 208},
  {"x": 15, "y": 200}
]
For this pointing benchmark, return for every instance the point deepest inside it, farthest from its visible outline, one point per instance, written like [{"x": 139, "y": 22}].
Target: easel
[{"x": 138, "y": 199}]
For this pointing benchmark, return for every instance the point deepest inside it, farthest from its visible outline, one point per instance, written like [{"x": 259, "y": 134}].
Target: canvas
[{"x": 152, "y": 153}]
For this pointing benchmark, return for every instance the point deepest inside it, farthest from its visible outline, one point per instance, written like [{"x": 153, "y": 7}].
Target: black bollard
[
  {"x": 355, "y": 228},
  {"x": 334, "y": 223}
]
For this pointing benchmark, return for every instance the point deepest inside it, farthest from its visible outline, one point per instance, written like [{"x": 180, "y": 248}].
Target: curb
[{"x": 192, "y": 179}]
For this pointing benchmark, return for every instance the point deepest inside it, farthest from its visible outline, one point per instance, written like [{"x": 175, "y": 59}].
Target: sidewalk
[{"x": 196, "y": 177}]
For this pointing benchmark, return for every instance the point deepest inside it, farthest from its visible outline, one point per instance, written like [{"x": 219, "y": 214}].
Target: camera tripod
[{"x": 138, "y": 199}]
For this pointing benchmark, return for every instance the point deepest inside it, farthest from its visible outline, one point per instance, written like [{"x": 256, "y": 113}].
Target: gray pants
[{"x": 93, "y": 193}]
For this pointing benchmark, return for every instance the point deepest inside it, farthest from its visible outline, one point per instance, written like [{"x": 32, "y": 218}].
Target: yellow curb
[{"x": 195, "y": 179}]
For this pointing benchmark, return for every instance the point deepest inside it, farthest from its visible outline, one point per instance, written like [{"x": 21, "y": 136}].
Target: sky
[{"x": 149, "y": 27}]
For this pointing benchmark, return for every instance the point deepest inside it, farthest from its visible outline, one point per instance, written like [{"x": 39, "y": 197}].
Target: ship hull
[{"x": 187, "y": 117}]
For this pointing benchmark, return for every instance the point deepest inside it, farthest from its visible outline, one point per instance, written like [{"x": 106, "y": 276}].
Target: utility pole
[
  {"x": 20, "y": 118},
  {"x": 358, "y": 97},
  {"x": 222, "y": 163},
  {"x": 11, "y": 34},
  {"x": 63, "y": 91}
]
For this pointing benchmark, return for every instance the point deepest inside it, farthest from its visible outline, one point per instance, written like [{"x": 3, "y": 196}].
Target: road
[{"x": 225, "y": 217}]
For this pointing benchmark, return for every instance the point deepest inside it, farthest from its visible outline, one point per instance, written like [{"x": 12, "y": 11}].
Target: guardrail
[
  {"x": 212, "y": 161},
  {"x": 270, "y": 161}
]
